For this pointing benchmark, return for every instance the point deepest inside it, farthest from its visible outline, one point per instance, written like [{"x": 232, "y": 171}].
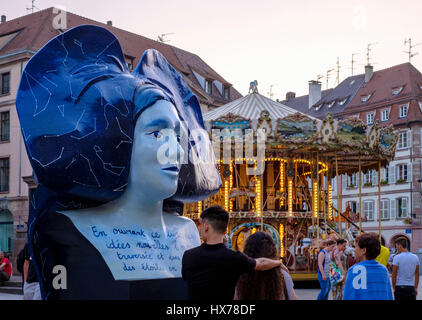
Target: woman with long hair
[{"x": 273, "y": 284}]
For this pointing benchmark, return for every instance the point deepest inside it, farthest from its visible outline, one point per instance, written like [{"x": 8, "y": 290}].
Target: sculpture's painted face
[{"x": 155, "y": 162}]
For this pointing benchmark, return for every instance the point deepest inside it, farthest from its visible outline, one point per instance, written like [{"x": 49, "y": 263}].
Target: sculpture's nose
[{"x": 175, "y": 151}]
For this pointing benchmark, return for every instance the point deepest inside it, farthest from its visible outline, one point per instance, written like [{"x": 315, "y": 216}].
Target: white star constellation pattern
[{"x": 76, "y": 108}]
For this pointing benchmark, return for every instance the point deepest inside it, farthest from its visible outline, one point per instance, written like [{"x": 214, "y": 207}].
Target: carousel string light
[
  {"x": 231, "y": 186},
  {"x": 330, "y": 203},
  {"x": 199, "y": 207},
  {"x": 258, "y": 196},
  {"x": 226, "y": 195},
  {"x": 281, "y": 182},
  {"x": 290, "y": 197},
  {"x": 281, "y": 232},
  {"x": 315, "y": 199}
]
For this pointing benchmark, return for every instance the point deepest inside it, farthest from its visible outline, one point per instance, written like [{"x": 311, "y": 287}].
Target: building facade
[
  {"x": 390, "y": 96},
  {"x": 20, "y": 39},
  {"x": 393, "y": 97}
]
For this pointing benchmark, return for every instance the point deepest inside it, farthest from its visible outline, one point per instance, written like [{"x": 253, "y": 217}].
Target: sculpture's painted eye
[{"x": 157, "y": 134}]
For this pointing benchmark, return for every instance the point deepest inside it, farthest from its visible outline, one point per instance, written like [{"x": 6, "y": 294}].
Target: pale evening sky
[{"x": 285, "y": 43}]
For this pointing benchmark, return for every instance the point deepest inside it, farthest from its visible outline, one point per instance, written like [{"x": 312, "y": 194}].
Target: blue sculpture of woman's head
[
  {"x": 91, "y": 128},
  {"x": 78, "y": 106}
]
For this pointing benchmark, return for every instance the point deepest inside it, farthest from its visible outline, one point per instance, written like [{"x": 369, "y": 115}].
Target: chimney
[
  {"x": 290, "y": 95},
  {"x": 109, "y": 23},
  {"x": 369, "y": 70},
  {"x": 314, "y": 92},
  {"x": 3, "y": 18}
]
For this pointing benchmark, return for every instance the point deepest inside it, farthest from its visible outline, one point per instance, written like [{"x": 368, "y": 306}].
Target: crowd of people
[
  {"x": 31, "y": 287},
  {"x": 368, "y": 277},
  {"x": 5, "y": 269},
  {"x": 212, "y": 271}
]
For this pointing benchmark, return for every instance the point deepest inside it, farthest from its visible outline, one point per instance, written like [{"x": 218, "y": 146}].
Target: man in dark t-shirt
[
  {"x": 212, "y": 270},
  {"x": 31, "y": 287}
]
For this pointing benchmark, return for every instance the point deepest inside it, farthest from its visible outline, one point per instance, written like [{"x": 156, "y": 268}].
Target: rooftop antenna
[
  {"x": 319, "y": 77},
  {"x": 353, "y": 61},
  {"x": 160, "y": 37},
  {"x": 409, "y": 41},
  {"x": 271, "y": 93},
  {"x": 32, "y": 8},
  {"x": 338, "y": 71},
  {"x": 327, "y": 76},
  {"x": 368, "y": 51}
]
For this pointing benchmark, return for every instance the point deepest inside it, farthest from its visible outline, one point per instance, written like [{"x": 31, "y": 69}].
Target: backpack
[
  {"x": 336, "y": 276},
  {"x": 20, "y": 260}
]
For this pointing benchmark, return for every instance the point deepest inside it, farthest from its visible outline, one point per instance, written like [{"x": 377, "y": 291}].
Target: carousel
[{"x": 292, "y": 197}]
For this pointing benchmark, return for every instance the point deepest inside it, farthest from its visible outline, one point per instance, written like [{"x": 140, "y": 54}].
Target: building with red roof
[{"x": 392, "y": 96}]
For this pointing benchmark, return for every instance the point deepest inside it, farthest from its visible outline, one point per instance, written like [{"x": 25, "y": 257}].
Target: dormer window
[
  {"x": 370, "y": 118},
  {"x": 352, "y": 82},
  {"x": 226, "y": 93},
  {"x": 330, "y": 104},
  {"x": 318, "y": 106},
  {"x": 403, "y": 111},
  {"x": 341, "y": 102},
  {"x": 208, "y": 85},
  {"x": 366, "y": 98},
  {"x": 397, "y": 90}
]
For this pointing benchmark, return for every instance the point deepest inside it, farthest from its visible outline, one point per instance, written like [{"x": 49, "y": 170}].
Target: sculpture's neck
[{"x": 137, "y": 206}]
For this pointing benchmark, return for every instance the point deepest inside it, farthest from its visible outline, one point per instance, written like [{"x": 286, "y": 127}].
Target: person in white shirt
[{"x": 405, "y": 277}]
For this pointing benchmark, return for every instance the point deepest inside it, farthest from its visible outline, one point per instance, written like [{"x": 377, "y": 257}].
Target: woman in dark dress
[{"x": 115, "y": 154}]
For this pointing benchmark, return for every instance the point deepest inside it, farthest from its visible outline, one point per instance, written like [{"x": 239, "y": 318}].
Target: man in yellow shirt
[{"x": 384, "y": 254}]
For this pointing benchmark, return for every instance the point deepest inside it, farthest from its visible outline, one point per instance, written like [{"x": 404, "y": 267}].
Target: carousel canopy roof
[
  {"x": 251, "y": 107},
  {"x": 293, "y": 134}
]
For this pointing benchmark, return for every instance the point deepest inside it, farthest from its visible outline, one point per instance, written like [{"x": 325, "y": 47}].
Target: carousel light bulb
[
  {"x": 231, "y": 186},
  {"x": 226, "y": 195},
  {"x": 199, "y": 207},
  {"x": 281, "y": 181},
  {"x": 258, "y": 197},
  {"x": 315, "y": 199},
  {"x": 281, "y": 232},
  {"x": 290, "y": 197},
  {"x": 330, "y": 204}
]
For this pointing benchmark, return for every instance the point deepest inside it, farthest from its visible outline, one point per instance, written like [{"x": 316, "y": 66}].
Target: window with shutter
[
  {"x": 409, "y": 172},
  {"x": 393, "y": 206},
  {"x": 375, "y": 178},
  {"x": 402, "y": 207},
  {"x": 343, "y": 181},
  {"x": 402, "y": 173},
  {"x": 391, "y": 173},
  {"x": 384, "y": 209},
  {"x": 368, "y": 209},
  {"x": 384, "y": 175},
  {"x": 367, "y": 178}
]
